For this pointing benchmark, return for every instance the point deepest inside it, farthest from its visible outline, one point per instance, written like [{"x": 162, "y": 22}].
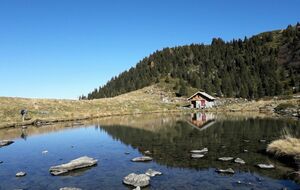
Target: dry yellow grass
[
  {"x": 149, "y": 99},
  {"x": 156, "y": 98},
  {"x": 259, "y": 105},
  {"x": 288, "y": 146}
]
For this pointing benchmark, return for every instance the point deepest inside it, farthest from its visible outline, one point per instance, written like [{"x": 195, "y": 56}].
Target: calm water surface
[{"x": 169, "y": 139}]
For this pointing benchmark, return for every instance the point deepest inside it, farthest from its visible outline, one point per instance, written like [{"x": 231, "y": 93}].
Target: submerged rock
[
  {"x": 266, "y": 166},
  {"x": 239, "y": 161},
  {"x": 204, "y": 150},
  {"x": 229, "y": 171},
  {"x": 142, "y": 159},
  {"x": 20, "y": 174},
  {"x": 225, "y": 159},
  {"x": 197, "y": 155},
  {"x": 40, "y": 123},
  {"x": 78, "y": 163},
  {"x": 295, "y": 176},
  {"x": 5, "y": 143},
  {"x": 77, "y": 124},
  {"x": 69, "y": 188},
  {"x": 137, "y": 188},
  {"x": 244, "y": 183},
  {"x": 137, "y": 180},
  {"x": 152, "y": 173}
]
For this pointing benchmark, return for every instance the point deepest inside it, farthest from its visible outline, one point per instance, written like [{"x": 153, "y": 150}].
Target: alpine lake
[{"x": 168, "y": 139}]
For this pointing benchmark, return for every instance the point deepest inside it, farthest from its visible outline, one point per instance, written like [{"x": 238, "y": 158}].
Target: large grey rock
[
  {"x": 152, "y": 173},
  {"x": 239, "y": 161},
  {"x": 69, "y": 188},
  {"x": 5, "y": 143},
  {"x": 20, "y": 174},
  {"x": 225, "y": 159},
  {"x": 266, "y": 166},
  {"x": 78, "y": 163},
  {"x": 204, "y": 150},
  {"x": 197, "y": 155},
  {"x": 229, "y": 171},
  {"x": 137, "y": 180},
  {"x": 142, "y": 159}
]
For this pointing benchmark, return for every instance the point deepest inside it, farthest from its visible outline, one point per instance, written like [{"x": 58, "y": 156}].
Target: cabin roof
[{"x": 203, "y": 94}]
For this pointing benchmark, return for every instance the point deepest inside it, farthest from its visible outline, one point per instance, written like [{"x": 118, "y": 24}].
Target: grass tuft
[{"x": 287, "y": 146}]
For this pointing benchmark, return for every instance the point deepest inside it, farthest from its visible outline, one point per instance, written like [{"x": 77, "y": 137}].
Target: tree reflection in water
[{"x": 171, "y": 142}]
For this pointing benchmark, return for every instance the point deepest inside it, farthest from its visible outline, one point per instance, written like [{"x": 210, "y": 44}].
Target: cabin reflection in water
[{"x": 202, "y": 120}]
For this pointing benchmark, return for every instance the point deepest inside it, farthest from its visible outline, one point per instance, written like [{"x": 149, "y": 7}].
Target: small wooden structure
[{"x": 201, "y": 100}]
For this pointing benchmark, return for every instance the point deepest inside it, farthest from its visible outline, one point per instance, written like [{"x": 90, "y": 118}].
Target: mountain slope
[
  {"x": 267, "y": 64},
  {"x": 147, "y": 100}
]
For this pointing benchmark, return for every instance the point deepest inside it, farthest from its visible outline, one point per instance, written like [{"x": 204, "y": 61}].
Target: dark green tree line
[{"x": 267, "y": 64}]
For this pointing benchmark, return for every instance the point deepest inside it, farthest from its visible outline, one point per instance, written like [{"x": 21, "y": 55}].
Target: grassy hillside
[
  {"x": 149, "y": 99},
  {"x": 267, "y": 64},
  {"x": 156, "y": 98}
]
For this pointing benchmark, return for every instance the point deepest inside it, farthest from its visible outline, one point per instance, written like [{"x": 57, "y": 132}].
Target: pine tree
[
  {"x": 251, "y": 68},
  {"x": 182, "y": 89}
]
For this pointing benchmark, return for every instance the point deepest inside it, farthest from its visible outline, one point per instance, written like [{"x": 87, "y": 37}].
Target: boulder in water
[
  {"x": 239, "y": 161},
  {"x": 5, "y": 143},
  {"x": 20, "y": 174},
  {"x": 197, "y": 155},
  {"x": 142, "y": 159},
  {"x": 266, "y": 166},
  {"x": 225, "y": 159},
  {"x": 229, "y": 171},
  {"x": 137, "y": 188},
  {"x": 152, "y": 173},
  {"x": 137, "y": 180},
  {"x": 204, "y": 150},
  {"x": 78, "y": 163},
  {"x": 69, "y": 188}
]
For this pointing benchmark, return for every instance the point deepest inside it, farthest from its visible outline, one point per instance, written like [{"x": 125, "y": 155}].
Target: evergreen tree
[
  {"x": 182, "y": 89},
  {"x": 250, "y": 68}
]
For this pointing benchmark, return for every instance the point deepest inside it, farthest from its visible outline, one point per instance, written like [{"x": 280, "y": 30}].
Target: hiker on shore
[{"x": 23, "y": 114}]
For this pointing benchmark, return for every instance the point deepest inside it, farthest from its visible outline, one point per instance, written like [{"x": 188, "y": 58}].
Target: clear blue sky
[{"x": 65, "y": 48}]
